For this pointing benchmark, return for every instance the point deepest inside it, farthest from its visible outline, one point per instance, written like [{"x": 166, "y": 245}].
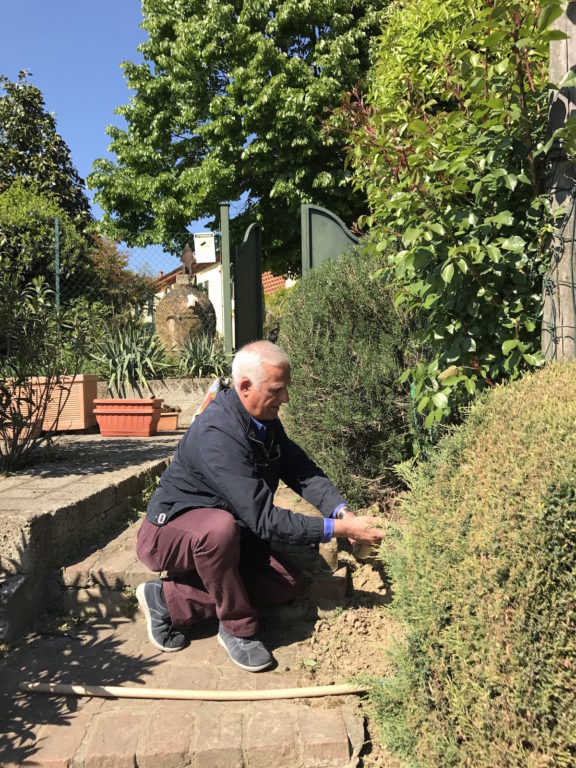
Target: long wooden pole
[
  {"x": 122, "y": 692},
  {"x": 559, "y": 314}
]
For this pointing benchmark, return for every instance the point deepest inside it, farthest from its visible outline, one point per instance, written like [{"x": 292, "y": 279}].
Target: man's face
[{"x": 263, "y": 402}]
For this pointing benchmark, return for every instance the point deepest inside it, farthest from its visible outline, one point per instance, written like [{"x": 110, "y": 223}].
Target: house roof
[
  {"x": 271, "y": 283},
  {"x": 163, "y": 280}
]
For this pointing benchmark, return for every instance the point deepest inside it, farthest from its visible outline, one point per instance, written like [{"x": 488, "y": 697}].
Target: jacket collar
[{"x": 248, "y": 424}]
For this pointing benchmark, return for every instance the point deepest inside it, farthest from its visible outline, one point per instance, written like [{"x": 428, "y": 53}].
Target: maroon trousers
[{"x": 216, "y": 568}]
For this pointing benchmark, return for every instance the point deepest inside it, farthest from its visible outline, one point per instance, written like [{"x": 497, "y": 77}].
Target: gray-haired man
[{"x": 212, "y": 519}]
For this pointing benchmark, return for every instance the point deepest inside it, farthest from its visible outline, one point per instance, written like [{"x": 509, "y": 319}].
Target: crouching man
[{"x": 212, "y": 520}]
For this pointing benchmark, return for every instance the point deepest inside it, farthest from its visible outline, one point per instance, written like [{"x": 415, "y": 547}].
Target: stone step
[
  {"x": 81, "y": 732},
  {"x": 103, "y": 582},
  {"x": 208, "y": 735},
  {"x": 54, "y": 509}
]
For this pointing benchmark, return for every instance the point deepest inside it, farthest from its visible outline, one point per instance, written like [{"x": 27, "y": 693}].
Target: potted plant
[{"x": 129, "y": 357}]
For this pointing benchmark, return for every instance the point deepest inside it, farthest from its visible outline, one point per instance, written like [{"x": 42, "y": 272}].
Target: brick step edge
[{"x": 107, "y": 597}]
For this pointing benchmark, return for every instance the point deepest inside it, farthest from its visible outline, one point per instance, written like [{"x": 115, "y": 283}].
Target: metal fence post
[
  {"x": 226, "y": 277},
  {"x": 57, "y": 263}
]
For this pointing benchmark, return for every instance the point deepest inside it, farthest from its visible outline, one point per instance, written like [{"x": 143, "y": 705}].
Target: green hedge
[
  {"x": 346, "y": 342},
  {"x": 483, "y": 571}
]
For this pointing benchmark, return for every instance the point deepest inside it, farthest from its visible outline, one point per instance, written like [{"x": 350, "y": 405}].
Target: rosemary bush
[{"x": 346, "y": 342}]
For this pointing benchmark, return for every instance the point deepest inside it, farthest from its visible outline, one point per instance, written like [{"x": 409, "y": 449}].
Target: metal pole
[
  {"x": 226, "y": 277},
  {"x": 57, "y": 262}
]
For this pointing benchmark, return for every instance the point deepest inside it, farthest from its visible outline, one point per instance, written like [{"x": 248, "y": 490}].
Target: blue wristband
[{"x": 328, "y": 529}]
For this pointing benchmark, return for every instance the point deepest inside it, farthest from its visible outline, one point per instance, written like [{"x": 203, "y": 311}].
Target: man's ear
[{"x": 245, "y": 386}]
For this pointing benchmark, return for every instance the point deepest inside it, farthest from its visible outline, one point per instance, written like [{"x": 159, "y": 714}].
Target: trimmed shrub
[
  {"x": 346, "y": 343},
  {"x": 483, "y": 569}
]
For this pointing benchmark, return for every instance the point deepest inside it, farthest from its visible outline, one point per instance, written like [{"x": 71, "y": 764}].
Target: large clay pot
[
  {"x": 128, "y": 417},
  {"x": 184, "y": 313}
]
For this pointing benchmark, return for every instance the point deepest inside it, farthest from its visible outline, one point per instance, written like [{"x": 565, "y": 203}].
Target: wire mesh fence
[{"x": 117, "y": 280}]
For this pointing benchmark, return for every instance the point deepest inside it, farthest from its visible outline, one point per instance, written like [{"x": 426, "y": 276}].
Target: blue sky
[{"x": 73, "y": 50}]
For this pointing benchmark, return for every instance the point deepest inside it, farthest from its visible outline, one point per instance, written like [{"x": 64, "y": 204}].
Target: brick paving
[{"x": 111, "y": 648}]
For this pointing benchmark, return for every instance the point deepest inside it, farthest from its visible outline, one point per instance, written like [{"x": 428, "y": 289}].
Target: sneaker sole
[
  {"x": 144, "y": 608},
  {"x": 244, "y": 666}
]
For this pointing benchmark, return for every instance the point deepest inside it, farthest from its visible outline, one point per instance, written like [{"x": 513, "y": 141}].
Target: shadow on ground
[
  {"x": 76, "y": 457},
  {"x": 86, "y": 655}
]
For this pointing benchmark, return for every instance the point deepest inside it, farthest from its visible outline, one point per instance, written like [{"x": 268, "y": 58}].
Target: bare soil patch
[{"x": 351, "y": 642}]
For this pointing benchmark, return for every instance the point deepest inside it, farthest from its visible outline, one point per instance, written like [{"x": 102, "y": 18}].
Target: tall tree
[
  {"x": 229, "y": 105},
  {"x": 32, "y": 150},
  {"x": 27, "y": 240}
]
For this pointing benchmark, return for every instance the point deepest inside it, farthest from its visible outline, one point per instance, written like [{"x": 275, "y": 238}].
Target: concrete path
[{"x": 113, "y": 649}]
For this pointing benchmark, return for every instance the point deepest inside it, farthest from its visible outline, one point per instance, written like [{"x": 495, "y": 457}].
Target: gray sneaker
[
  {"x": 161, "y": 632},
  {"x": 246, "y": 652}
]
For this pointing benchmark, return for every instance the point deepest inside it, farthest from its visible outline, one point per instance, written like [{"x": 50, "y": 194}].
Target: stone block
[
  {"x": 94, "y": 601},
  {"x": 218, "y": 737},
  {"x": 329, "y": 554},
  {"x": 111, "y": 741},
  {"x": 164, "y": 741},
  {"x": 324, "y": 738},
  {"x": 270, "y": 738}
]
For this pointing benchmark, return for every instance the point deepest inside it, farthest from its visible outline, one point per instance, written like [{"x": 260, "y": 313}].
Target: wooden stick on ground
[{"x": 118, "y": 692}]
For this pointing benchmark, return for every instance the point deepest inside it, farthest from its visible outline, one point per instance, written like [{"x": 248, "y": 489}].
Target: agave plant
[
  {"x": 129, "y": 357},
  {"x": 203, "y": 355}
]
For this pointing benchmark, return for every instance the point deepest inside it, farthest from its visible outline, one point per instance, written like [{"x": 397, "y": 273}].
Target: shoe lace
[{"x": 247, "y": 642}]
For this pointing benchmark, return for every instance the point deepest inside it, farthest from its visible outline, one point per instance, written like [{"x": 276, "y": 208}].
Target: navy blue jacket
[{"x": 221, "y": 462}]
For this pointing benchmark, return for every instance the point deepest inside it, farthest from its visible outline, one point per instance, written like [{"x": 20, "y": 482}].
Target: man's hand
[{"x": 363, "y": 528}]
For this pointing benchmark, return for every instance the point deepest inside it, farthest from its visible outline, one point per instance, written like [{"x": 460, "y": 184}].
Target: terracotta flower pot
[
  {"x": 130, "y": 417},
  {"x": 168, "y": 421},
  {"x": 70, "y": 405}
]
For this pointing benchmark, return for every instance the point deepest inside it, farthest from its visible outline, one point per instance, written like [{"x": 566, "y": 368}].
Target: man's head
[{"x": 261, "y": 373}]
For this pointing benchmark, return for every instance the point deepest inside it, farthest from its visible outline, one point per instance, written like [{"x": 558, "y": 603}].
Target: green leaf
[
  {"x": 451, "y": 371},
  {"x": 411, "y": 235},
  {"x": 516, "y": 244},
  {"x": 509, "y": 345},
  {"x": 494, "y": 253},
  {"x": 548, "y": 14},
  {"x": 504, "y": 218},
  {"x": 448, "y": 272},
  {"x": 440, "y": 400},
  {"x": 423, "y": 404}
]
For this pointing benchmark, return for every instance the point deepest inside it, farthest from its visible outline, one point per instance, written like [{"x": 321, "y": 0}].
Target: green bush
[
  {"x": 448, "y": 146},
  {"x": 274, "y": 304},
  {"x": 483, "y": 570},
  {"x": 35, "y": 340},
  {"x": 27, "y": 238},
  {"x": 346, "y": 343}
]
